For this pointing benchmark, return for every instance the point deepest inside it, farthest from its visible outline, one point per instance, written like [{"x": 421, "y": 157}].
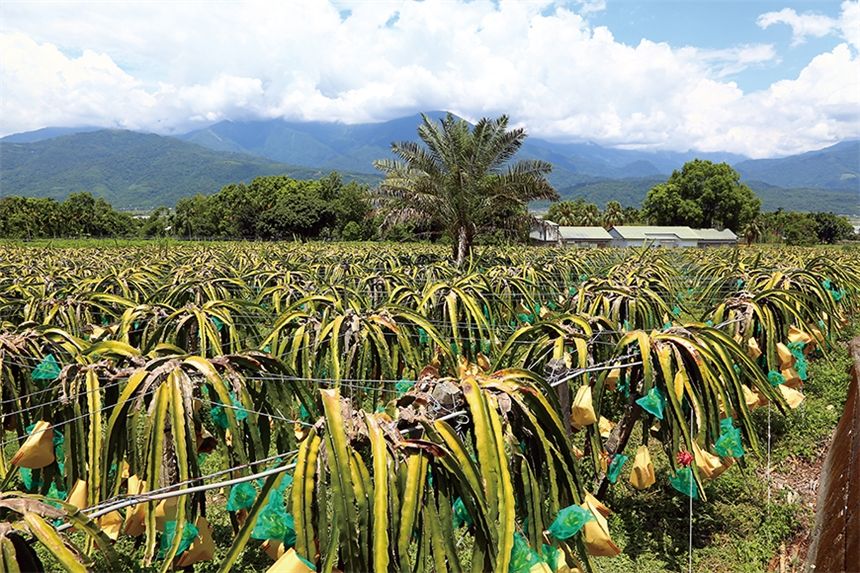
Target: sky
[{"x": 761, "y": 78}]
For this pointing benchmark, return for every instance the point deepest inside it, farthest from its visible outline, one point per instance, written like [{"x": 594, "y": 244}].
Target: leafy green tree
[
  {"x": 702, "y": 194},
  {"x": 352, "y": 231},
  {"x": 80, "y": 215},
  {"x": 351, "y": 204},
  {"x": 832, "y": 228},
  {"x": 157, "y": 224},
  {"x": 30, "y": 218},
  {"x": 79, "y": 210},
  {"x": 296, "y": 211},
  {"x": 800, "y": 229},
  {"x": 195, "y": 217},
  {"x": 459, "y": 174}
]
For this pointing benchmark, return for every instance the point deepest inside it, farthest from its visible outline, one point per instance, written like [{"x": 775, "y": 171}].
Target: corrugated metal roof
[
  {"x": 714, "y": 235},
  {"x": 642, "y": 233},
  {"x": 584, "y": 234}
]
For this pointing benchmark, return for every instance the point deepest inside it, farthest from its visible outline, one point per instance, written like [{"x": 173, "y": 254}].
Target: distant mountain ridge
[
  {"x": 143, "y": 170},
  {"x": 129, "y": 169},
  {"x": 355, "y": 147},
  {"x": 834, "y": 167}
]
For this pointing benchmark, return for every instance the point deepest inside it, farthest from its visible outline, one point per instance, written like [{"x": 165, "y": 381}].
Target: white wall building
[
  {"x": 714, "y": 238},
  {"x": 585, "y": 236},
  {"x": 551, "y": 234},
  {"x": 637, "y": 236}
]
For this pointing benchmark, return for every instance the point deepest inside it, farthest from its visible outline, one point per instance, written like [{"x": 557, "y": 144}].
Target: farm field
[{"x": 372, "y": 407}]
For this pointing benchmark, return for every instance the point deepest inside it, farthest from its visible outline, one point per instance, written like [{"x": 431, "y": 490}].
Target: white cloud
[
  {"x": 170, "y": 67},
  {"x": 810, "y": 24},
  {"x": 802, "y": 25}
]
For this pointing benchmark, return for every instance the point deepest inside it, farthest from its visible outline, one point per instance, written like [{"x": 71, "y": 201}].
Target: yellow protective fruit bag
[
  {"x": 135, "y": 518},
  {"x": 605, "y": 427},
  {"x": 111, "y": 524},
  {"x": 753, "y": 350},
  {"x": 582, "y": 413},
  {"x": 290, "y": 562},
  {"x": 78, "y": 495},
  {"x": 797, "y": 335},
  {"x": 273, "y": 548},
  {"x": 38, "y": 450},
  {"x": 642, "y": 474},
  {"x": 750, "y": 397},
  {"x": 792, "y": 397},
  {"x": 165, "y": 511},
  {"x": 201, "y": 549},
  {"x": 612, "y": 378},
  {"x": 792, "y": 378},
  {"x": 595, "y": 533},
  {"x": 786, "y": 358},
  {"x": 708, "y": 464}
]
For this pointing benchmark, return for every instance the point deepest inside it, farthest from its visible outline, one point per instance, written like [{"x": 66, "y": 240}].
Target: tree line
[{"x": 460, "y": 185}]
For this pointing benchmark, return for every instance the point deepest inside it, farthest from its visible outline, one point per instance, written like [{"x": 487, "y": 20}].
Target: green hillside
[
  {"x": 834, "y": 167},
  {"x": 128, "y": 169}
]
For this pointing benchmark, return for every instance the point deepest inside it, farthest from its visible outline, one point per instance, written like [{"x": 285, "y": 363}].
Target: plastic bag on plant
[
  {"x": 274, "y": 522},
  {"x": 48, "y": 369},
  {"x": 800, "y": 363},
  {"x": 775, "y": 378},
  {"x": 582, "y": 414},
  {"x": 653, "y": 402},
  {"x": 553, "y": 556},
  {"x": 189, "y": 534},
  {"x": 242, "y": 496},
  {"x": 219, "y": 417},
  {"x": 729, "y": 443},
  {"x": 523, "y": 557},
  {"x": 460, "y": 515},
  {"x": 683, "y": 482},
  {"x": 615, "y": 466},
  {"x": 239, "y": 410},
  {"x": 569, "y": 521},
  {"x": 404, "y": 386}
]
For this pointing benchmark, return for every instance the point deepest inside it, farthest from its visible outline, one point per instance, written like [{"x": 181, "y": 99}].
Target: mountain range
[{"x": 142, "y": 170}]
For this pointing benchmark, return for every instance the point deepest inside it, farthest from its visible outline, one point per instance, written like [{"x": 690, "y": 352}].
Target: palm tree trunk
[{"x": 463, "y": 247}]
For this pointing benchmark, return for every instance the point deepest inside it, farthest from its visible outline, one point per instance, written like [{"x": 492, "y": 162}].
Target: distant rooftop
[
  {"x": 714, "y": 235},
  {"x": 584, "y": 233},
  {"x": 641, "y": 233}
]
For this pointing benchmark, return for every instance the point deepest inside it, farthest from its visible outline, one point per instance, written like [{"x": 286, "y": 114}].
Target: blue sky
[
  {"x": 720, "y": 24},
  {"x": 761, "y": 78}
]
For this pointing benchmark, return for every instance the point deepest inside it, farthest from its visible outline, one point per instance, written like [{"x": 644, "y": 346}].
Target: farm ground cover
[{"x": 385, "y": 363}]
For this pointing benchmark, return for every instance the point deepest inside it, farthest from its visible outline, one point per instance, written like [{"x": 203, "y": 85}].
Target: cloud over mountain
[{"x": 171, "y": 67}]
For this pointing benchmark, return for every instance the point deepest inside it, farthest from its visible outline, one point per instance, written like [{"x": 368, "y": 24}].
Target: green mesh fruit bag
[
  {"x": 242, "y": 496},
  {"x": 523, "y": 557},
  {"x": 189, "y": 533},
  {"x": 683, "y": 482},
  {"x": 653, "y": 402},
  {"x": 569, "y": 521}
]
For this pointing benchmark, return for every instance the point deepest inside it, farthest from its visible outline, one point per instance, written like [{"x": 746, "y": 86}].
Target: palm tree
[
  {"x": 613, "y": 214},
  {"x": 752, "y": 231},
  {"x": 460, "y": 175},
  {"x": 565, "y": 213},
  {"x": 590, "y": 216}
]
